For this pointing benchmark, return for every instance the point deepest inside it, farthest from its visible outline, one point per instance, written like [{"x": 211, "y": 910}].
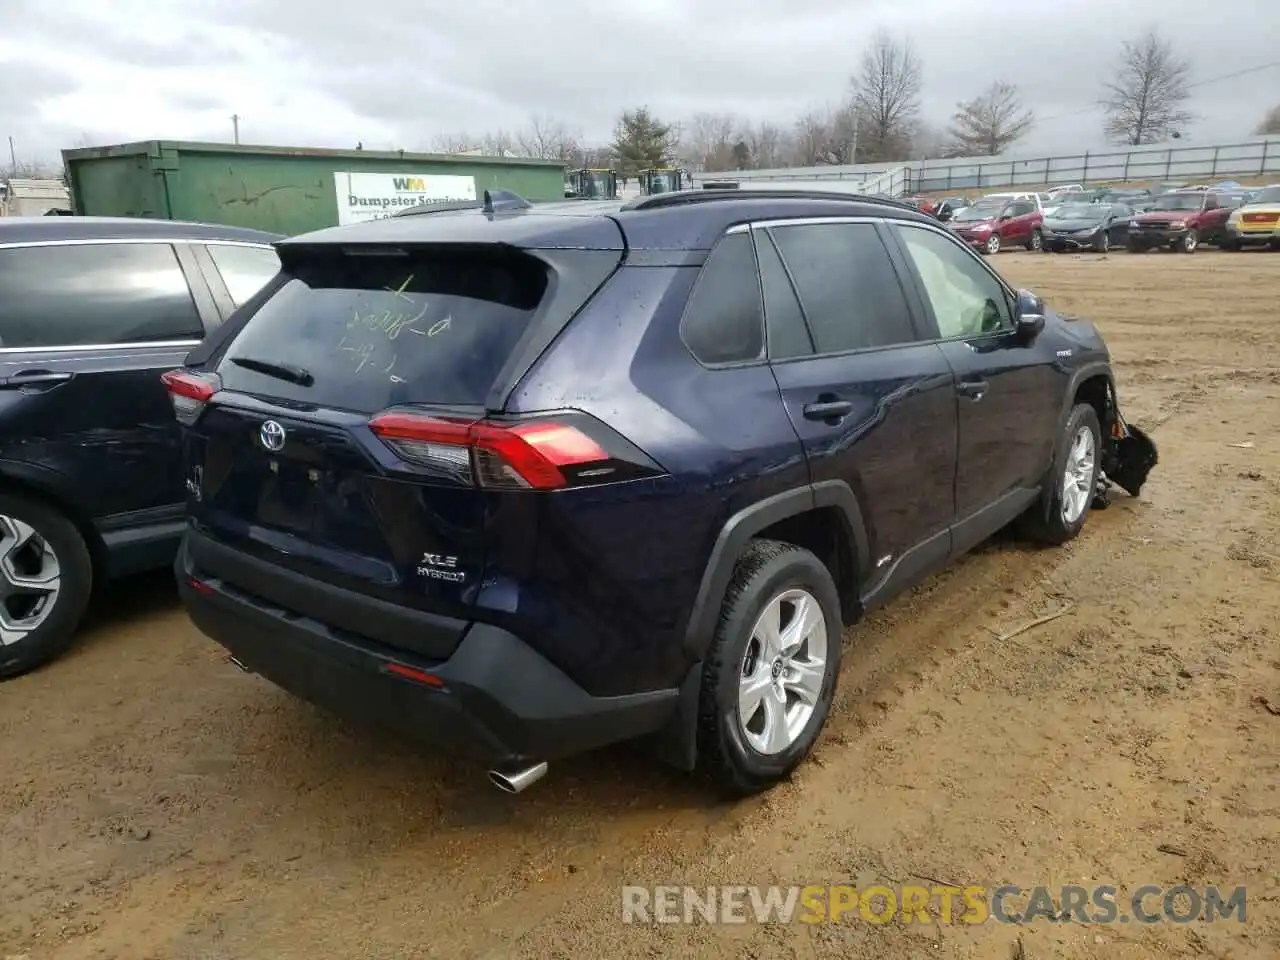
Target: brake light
[
  {"x": 543, "y": 454},
  {"x": 189, "y": 392}
]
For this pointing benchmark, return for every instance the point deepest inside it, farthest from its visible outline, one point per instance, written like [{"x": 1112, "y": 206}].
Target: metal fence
[
  {"x": 1254, "y": 158},
  {"x": 1217, "y": 162}
]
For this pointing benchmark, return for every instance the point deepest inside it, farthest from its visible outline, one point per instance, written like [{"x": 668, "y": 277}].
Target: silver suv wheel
[{"x": 30, "y": 579}]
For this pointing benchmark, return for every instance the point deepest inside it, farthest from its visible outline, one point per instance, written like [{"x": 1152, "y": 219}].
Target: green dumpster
[{"x": 284, "y": 189}]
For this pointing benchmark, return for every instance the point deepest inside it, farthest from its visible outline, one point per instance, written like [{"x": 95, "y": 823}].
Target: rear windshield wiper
[{"x": 281, "y": 371}]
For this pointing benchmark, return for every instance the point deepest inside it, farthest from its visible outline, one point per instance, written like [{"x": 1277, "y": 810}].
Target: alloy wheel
[
  {"x": 1077, "y": 478},
  {"x": 30, "y": 579},
  {"x": 783, "y": 670}
]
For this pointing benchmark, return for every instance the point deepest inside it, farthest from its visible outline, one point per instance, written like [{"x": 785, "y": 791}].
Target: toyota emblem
[{"x": 272, "y": 436}]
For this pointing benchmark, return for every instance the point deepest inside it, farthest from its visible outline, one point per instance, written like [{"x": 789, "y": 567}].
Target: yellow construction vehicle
[
  {"x": 662, "y": 180},
  {"x": 591, "y": 184}
]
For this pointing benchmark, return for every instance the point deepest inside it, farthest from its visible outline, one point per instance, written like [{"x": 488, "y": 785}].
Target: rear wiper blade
[{"x": 281, "y": 371}]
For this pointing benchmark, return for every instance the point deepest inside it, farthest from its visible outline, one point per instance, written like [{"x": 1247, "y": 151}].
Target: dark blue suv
[{"x": 525, "y": 480}]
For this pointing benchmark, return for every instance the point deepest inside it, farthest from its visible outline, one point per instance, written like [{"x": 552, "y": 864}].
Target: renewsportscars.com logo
[{"x": 907, "y": 903}]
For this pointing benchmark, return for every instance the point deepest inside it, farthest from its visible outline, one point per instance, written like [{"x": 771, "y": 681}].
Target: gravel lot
[{"x": 155, "y": 802}]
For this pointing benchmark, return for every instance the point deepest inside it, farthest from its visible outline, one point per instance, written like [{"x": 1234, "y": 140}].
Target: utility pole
[
  {"x": 13, "y": 157},
  {"x": 235, "y": 126}
]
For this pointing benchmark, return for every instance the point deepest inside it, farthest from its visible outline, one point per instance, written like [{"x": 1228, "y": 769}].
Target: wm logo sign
[{"x": 414, "y": 184}]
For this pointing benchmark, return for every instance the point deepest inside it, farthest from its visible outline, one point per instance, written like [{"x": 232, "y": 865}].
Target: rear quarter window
[
  {"x": 724, "y": 322},
  {"x": 244, "y": 270},
  {"x": 375, "y": 331}
]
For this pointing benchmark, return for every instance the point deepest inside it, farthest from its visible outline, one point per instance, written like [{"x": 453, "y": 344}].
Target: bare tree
[
  {"x": 989, "y": 123},
  {"x": 766, "y": 144},
  {"x": 548, "y": 139},
  {"x": 499, "y": 143},
  {"x": 886, "y": 97},
  {"x": 1144, "y": 100},
  {"x": 930, "y": 141},
  {"x": 456, "y": 143},
  {"x": 827, "y": 136},
  {"x": 1270, "y": 123},
  {"x": 707, "y": 140}
]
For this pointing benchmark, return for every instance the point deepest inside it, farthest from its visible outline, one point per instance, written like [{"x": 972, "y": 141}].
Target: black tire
[
  {"x": 1036, "y": 241},
  {"x": 1189, "y": 243},
  {"x": 52, "y": 637},
  {"x": 1045, "y": 521},
  {"x": 765, "y": 569},
  {"x": 1103, "y": 243}
]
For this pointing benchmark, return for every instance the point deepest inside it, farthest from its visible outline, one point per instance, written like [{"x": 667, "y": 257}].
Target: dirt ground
[{"x": 156, "y": 802}]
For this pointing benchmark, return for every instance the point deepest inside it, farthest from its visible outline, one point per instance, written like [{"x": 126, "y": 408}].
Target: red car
[
  {"x": 1181, "y": 220},
  {"x": 923, "y": 204},
  {"x": 990, "y": 226}
]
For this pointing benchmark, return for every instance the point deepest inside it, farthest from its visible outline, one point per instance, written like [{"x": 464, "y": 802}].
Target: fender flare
[
  {"x": 45, "y": 481},
  {"x": 740, "y": 528},
  {"x": 1079, "y": 376}
]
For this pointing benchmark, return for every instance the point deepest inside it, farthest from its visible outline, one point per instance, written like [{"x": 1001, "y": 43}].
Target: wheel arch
[
  {"x": 824, "y": 518},
  {"x": 52, "y": 490},
  {"x": 824, "y": 515}
]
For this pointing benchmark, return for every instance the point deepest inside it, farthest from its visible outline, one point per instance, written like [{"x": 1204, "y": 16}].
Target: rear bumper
[{"x": 495, "y": 700}]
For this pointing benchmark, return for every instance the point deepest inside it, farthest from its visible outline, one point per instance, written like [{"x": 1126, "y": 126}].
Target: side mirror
[{"x": 1028, "y": 316}]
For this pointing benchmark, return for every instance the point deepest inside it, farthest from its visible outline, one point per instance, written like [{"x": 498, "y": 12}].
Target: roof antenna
[{"x": 495, "y": 200}]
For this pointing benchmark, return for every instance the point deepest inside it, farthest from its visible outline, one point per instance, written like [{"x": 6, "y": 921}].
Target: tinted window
[
  {"x": 376, "y": 331},
  {"x": 788, "y": 335},
  {"x": 1020, "y": 207},
  {"x": 847, "y": 285},
  {"x": 966, "y": 299},
  {"x": 723, "y": 322},
  {"x": 61, "y": 296},
  {"x": 245, "y": 270}
]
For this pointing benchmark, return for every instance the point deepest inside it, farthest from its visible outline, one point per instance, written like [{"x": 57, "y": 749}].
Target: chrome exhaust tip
[{"x": 517, "y": 779}]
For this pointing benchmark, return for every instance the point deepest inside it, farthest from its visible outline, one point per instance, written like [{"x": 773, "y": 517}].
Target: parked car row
[
  {"x": 91, "y": 485},
  {"x": 1180, "y": 219},
  {"x": 397, "y": 496}
]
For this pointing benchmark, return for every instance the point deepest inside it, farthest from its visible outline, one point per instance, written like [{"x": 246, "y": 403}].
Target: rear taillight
[
  {"x": 189, "y": 392},
  {"x": 546, "y": 453}
]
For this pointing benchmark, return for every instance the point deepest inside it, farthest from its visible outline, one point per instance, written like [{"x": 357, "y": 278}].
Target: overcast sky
[{"x": 393, "y": 73}]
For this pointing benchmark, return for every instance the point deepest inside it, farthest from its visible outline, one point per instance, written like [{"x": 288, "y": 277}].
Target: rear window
[{"x": 373, "y": 331}]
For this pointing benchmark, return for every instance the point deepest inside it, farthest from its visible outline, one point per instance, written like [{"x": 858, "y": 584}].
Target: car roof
[
  {"x": 688, "y": 221},
  {"x": 49, "y": 229}
]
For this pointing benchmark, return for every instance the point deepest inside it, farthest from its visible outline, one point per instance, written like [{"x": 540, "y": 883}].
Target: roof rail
[
  {"x": 494, "y": 201},
  {"x": 686, "y": 197}
]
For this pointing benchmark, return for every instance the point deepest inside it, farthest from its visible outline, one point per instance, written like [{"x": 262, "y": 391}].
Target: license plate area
[{"x": 289, "y": 495}]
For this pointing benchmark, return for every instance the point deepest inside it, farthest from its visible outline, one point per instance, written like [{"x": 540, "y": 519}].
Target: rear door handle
[
  {"x": 973, "y": 389},
  {"x": 36, "y": 378},
  {"x": 828, "y": 409}
]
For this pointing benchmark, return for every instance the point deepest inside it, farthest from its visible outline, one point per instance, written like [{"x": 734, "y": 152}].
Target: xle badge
[{"x": 436, "y": 566}]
